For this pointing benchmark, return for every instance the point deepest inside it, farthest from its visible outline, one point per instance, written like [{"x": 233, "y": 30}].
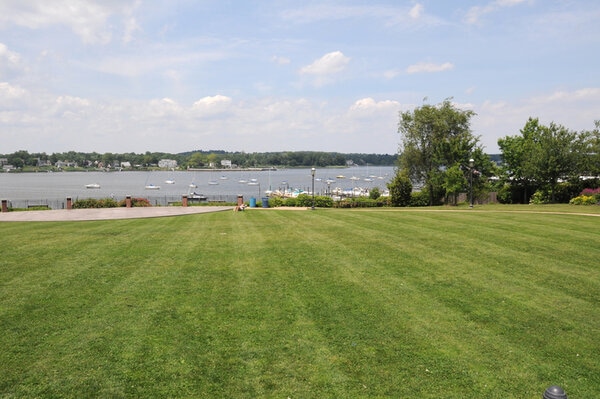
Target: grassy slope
[{"x": 329, "y": 303}]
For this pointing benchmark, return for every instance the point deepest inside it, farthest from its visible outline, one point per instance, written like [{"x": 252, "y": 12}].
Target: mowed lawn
[{"x": 311, "y": 304}]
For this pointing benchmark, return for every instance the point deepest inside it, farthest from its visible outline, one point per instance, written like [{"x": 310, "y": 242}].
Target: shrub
[
  {"x": 584, "y": 200},
  {"x": 563, "y": 192},
  {"x": 419, "y": 198},
  {"x": 594, "y": 192},
  {"x": 136, "y": 202},
  {"x": 374, "y": 193},
  {"x": 361, "y": 202},
  {"x": 274, "y": 202},
  {"x": 291, "y": 202},
  {"x": 504, "y": 195},
  {"x": 88, "y": 203},
  {"x": 590, "y": 191},
  {"x": 539, "y": 197},
  {"x": 307, "y": 200},
  {"x": 400, "y": 190}
]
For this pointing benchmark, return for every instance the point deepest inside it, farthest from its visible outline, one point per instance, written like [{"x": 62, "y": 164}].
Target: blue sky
[{"x": 242, "y": 75}]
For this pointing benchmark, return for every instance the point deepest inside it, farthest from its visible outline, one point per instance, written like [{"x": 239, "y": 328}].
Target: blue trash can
[
  {"x": 252, "y": 202},
  {"x": 265, "y": 202}
]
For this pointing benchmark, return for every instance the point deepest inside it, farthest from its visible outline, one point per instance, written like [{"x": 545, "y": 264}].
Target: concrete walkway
[{"x": 107, "y": 213}]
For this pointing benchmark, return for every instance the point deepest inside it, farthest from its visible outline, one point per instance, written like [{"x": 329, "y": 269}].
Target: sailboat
[
  {"x": 212, "y": 182},
  {"x": 192, "y": 184},
  {"x": 150, "y": 186}
]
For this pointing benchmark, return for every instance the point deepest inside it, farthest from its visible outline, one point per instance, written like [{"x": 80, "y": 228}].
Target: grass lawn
[{"x": 409, "y": 303}]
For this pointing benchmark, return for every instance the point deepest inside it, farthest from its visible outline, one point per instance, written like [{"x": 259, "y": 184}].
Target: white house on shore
[{"x": 167, "y": 163}]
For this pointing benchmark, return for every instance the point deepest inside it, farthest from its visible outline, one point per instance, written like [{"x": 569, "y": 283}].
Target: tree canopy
[
  {"x": 436, "y": 145},
  {"x": 202, "y": 158},
  {"x": 542, "y": 156}
]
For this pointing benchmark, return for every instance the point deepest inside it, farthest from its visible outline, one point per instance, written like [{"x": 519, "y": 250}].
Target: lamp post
[
  {"x": 312, "y": 172},
  {"x": 471, "y": 165}
]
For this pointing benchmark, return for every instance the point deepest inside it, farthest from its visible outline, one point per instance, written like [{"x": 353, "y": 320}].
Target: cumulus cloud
[
  {"x": 369, "y": 104},
  {"x": 576, "y": 109},
  {"x": 11, "y": 57},
  {"x": 9, "y": 93},
  {"x": 211, "y": 105},
  {"x": 324, "y": 68},
  {"x": 211, "y": 101},
  {"x": 330, "y": 63},
  {"x": 10, "y": 62},
  {"x": 429, "y": 67}
]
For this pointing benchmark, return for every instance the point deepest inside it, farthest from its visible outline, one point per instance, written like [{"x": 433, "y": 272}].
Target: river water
[{"x": 52, "y": 189}]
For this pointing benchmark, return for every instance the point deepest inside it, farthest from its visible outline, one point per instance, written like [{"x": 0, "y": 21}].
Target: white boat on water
[
  {"x": 151, "y": 187},
  {"x": 92, "y": 185},
  {"x": 170, "y": 181},
  {"x": 196, "y": 196}
]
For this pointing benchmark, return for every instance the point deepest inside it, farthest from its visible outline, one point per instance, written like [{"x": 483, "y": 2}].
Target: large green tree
[
  {"x": 435, "y": 139},
  {"x": 542, "y": 156}
]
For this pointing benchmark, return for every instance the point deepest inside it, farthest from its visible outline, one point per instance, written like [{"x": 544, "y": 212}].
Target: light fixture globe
[{"x": 554, "y": 392}]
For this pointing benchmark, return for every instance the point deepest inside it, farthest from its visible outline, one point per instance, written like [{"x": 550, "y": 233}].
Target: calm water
[{"x": 56, "y": 187}]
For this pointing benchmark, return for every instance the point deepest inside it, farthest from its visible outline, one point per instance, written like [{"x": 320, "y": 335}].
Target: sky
[{"x": 280, "y": 75}]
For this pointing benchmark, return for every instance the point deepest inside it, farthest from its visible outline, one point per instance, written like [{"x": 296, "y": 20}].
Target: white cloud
[
  {"x": 70, "y": 101},
  {"x": 383, "y": 15},
  {"x": 576, "y": 110},
  {"x": 11, "y": 57},
  {"x": 277, "y": 59},
  {"x": 330, "y": 63},
  {"x": 429, "y": 67},
  {"x": 325, "y": 68},
  {"x": 88, "y": 19},
  {"x": 131, "y": 26},
  {"x": 10, "y": 62},
  {"x": 212, "y": 104},
  {"x": 475, "y": 13},
  {"x": 10, "y": 92},
  {"x": 370, "y": 105},
  {"x": 416, "y": 11}
]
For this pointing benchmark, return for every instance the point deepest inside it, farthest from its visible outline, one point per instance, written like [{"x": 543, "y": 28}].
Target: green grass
[{"x": 409, "y": 303}]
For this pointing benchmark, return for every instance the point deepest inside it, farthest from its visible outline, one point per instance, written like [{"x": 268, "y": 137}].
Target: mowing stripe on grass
[{"x": 330, "y": 303}]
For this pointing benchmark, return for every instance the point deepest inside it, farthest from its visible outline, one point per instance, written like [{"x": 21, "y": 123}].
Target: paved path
[{"x": 107, "y": 213}]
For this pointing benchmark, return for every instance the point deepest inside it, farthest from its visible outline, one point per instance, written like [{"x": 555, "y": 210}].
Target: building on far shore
[{"x": 167, "y": 163}]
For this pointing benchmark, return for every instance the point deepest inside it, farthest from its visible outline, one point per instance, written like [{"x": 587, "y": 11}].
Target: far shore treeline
[{"x": 23, "y": 160}]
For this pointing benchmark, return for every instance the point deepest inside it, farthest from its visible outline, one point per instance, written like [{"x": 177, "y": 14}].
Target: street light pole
[
  {"x": 471, "y": 165},
  {"x": 312, "y": 172}
]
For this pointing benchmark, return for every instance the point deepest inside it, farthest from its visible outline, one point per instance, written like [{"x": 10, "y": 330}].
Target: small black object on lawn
[{"x": 554, "y": 392}]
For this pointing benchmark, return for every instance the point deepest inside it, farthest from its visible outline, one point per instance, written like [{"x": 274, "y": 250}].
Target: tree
[
  {"x": 591, "y": 151},
  {"x": 374, "y": 193},
  {"x": 454, "y": 183},
  {"x": 544, "y": 155},
  {"x": 434, "y": 139},
  {"x": 515, "y": 156},
  {"x": 400, "y": 189}
]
